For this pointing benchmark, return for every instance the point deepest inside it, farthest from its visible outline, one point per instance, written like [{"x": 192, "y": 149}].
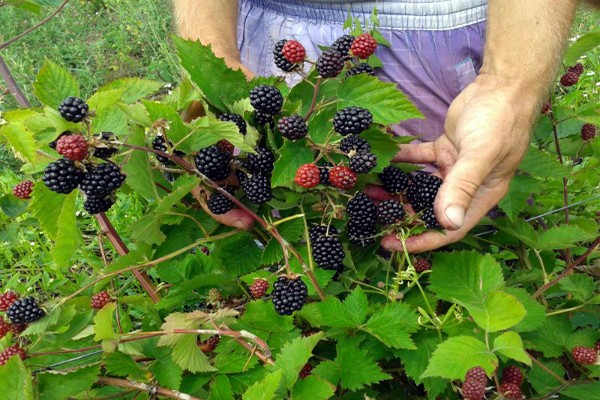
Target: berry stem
[
  {"x": 314, "y": 99},
  {"x": 144, "y": 387},
  {"x": 548, "y": 370},
  {"x": 13, "y": 86}
]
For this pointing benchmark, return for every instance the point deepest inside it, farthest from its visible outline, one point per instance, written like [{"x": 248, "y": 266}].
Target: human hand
[{"x": 486, "y": 136}]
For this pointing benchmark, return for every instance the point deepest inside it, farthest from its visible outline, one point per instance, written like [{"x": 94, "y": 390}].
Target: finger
[
  {"x": 420, "y": 153},
  {"x": 236, "y": 218},
  {"x": 377, "y": 193},
  {"x": 391, "y": 243}
]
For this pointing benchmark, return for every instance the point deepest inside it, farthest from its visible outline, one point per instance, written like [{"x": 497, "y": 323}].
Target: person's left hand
[{"x": 486, "y": 136}]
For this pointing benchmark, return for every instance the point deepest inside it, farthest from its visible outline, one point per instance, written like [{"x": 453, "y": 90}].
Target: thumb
[{"x": 460, "y": 187}]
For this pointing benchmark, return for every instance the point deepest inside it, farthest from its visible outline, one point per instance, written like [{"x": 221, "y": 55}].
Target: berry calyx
[
  {"x": 289, "y": 295},
  {"x": 267, "y": 99},
  {"x": 293, "y": 127},
  {"x": 342, "y": 177},
  {"x": 6, "y": 299},
  {"x": 293, "y": 51},
  {"x": 588, "y": 131},
  {"x": 102, "y": 149},
  {"x": 258, "y": 288},
  {"x": 14, "y": 350},
  {"x": 569, "y": 79},
  {"x": 352, "y": 120},
  {"x": 73, "y": 147},
  {"x": 307, "y": 176},
  {"x": 99, "y": 300},
  {"x": 330, "y": 63},
  {"x": 363, "y": 46},
  {"x": 511, "y": 391},
  {"x": 73, "y": 109},
  {"x": 62, "y": 176},
  {"x": 422, "y": 265},
  {"x": 23, "y": 190},
  {"x": 512, "y": 374},
  {"x": 24, "y": 311},
  {"x": 585, "y": 355}
]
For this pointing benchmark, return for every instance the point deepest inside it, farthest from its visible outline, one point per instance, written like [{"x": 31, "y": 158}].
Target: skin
[{"x": 488, "y": 125}]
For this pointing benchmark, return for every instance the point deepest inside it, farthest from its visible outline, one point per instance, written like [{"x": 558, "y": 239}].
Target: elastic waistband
[{"x": 398, "y": 15}]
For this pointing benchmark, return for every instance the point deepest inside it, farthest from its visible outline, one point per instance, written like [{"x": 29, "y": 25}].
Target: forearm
[
  {"x": 525, "y": 43},
  {"x": 213, "y": 22}
]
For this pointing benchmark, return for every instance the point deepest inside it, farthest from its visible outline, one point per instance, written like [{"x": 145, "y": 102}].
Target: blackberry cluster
[
  {"x": 363, "y": 162},
  {"x": 262, "y": 162},
  {"x": 73, "y": 109},
  {"x": 102, "y": 180},
  {"x": 103, "y": 150},
  {"x": 342, "y": 44},
  {"x": 289, "y": 295},
  {"x": 62, "y": 176},
  {"x": 219, "y": 204},
  {"x": 237, "y": 119},
  {"x": 330, "y": 63},
  {"x": 213, "y": 163},
  {"x": 14, "y": 350},
  {"x": 394, "y": 180},
  {"x": 24, "y": 311},
  {"x": 259, "y": 288},
  {"x": 354, "y": 143},
  {"x": 352, "y": 120},
  {"x": 257, "y": 188},
  {"x": 159, "y": 143},
  {"x": 362, "y": 218},
  {"x": 293, "y": 127},
  {"x": 327, "y": 249},
  {"x": 422, "y": 191},
  {"x": 263, "y": 119},
  {"x": 97, "y": 205},
  {"x": 7, "y": 298},
  {"x": 389, "y": 212},
  {"x": 99, "y": 300},
  {"x": 23, "y": 190},
  {"x": 267, "y": 99},
  {"x": 280, "y": 61},
  {"x": 361, "y": 68}
]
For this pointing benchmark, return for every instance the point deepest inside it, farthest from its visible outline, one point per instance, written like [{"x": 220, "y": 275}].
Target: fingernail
[{"x": 456, "y": 215}]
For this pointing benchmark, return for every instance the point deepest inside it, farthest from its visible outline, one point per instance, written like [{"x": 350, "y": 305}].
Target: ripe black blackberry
[
  {"x": 102, "y": 180},
  {"x": 24, "y": 311},
  {"x": 422, "y": 191},
  {"x": 218, "y": 203},
  {"x": 288, "y": 295},
  {"x": 342, "y": 44},
  {"x": 293, "y": 127},
  {"x": 324, "y": 173},
  {"x": 328, "y": 252},
  {"x": 330, "y": 63},
  {"x": 263, "y": 119},
  {"x": 428, "y": 217},
  {"x": 280, "y": 60},
  {"x": 260, "y": 163},
  {"x": 389, "y": 212},
  {"x": 257, "y": 188},
  {"x": 159, "y": 143},
  {"x": 213, "y": 163},
  {"x": 354, "y": 143},
  {"x": 62, "y": 176},
  {"x": 361, "y": 209},
  {"x": 317, "y": 231},
  {"x": 97, "y": 205},
  {"x": 352, "y": 120},
  {"x": 105, "y": 150},
  {"x": 73, "y": 109},
  {"x": 394, "y": 180},
  {"x": 362, "y": 235},
  {"x": 237, "y": 119},
  {"x": 267, "y": 99},
  {"x": 361, "y": 68},
  {"x": 362, "y": 162}
]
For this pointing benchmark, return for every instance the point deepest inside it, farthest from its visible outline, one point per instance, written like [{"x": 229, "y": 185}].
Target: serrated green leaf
[
  {"x": 167, "y": 373},
  {"x": 292, "y": 231},
  {"x": 497, "y": 311},
  {"x": 61, "y": 386},
  {"x": 383, "y": 146},
  {"x": 103, "y": 323},
  {"x": 234, "y": 361},
  {"x": 293, "y": 357},
  {"x": 510, "y": 345},
  {"x": 220, "y": 389},
  {"x": 292, "y": 155},
  {"x": 520, "y": 229},
  {"x": 261, "y": 315},
  {"x": 265, "y": 389},
  {"x": 208, "y": 131},
  {"x": 312, "y": 388},
  {"x": 383, "y": 99},
  {"x": 453, "y": 358},
  {"x": 137, "y": 168},
  {"x": 393, "y": 325},
  {"x": 551, "y": 338},
  {"x": 272, "y": 254},
  {"x": 333, "y": 313},
  {"x": 112, "y": 119},
  {"x": 541, "y": 380},
  {"x": 67, "y": 238},
  {"x": 536, "y": 313},
  {"x": 581, "y": 46},
  {"x": 120, "y": 364},
  {"x": 188, "y": 355},
  {"x": 53, "y": 84},
  {"x": 539, "y": 163},
  {"x": 22, "y": 141},
  {"x": 133, "y": 88},
  {"x": 520, "y": 189},
  {"x": 583, "y": 391},
  {"x": 563, "y": 236},
  {"x": 580, "y": 286},
  {"x": 357, "y": 369},
  {"x": 230, "y": 251},
  {"x": 46, "y": 206},
  {"x": 15, "y": 380}
]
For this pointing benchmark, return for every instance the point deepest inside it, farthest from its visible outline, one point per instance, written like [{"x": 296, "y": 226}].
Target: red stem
[
  {"x": 144, "y": 387},
  {"x": 13, "y": 87}
]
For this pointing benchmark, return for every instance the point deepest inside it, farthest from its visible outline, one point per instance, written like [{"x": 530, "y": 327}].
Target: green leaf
[
  {"x": 383, "y": 146},
  {"x": 563, "y": 236},
  {"x": 383, "y": 99},
  {"x": 120, "y": 364},
  {"x": 220, "y": 389},
  {"x": 551, "y": 338},
  {"x": 178, "y": 130},
  {"x": 167, "y": 373},
  {"x": 138, "y": 170},
  {"x": 541, "y": 380},
  {"x": 230, "y": 251},
  {"x": 497, "y": 311},
  {"x": 515, "y": 201},
  {"x": 510, "y": 345},
  {"x": 357, "y": 368},
  {"x": 333, "y": 313},
  {"x": 393, "y": 324},
  {"x": 22, "y": 141},
  {"x": 581, "y": 46},
  {"x": 539, "y": 163},
  {"x": 261, "y": 315},
  {"x": 312, "y": 388},
  {"x": 61, "y": 386},
  {"x": 208, "y": 131},
  {"x": 188, "y": 355},
  {"x": 53, "y": 84},
  {"x": 265, "y": 389},
  {"x": 294, "y": 355},
  {"x": 15, "y": 380},
  {"x": 67, "y": 238},
  {"x": 580, "y": 286},
  {"x": 220, "y": 85},
  {"x": 292, "y": 155},
  {"x": 133, "y": 88},
  {"x": 46, "y": 206},
  {"x": 103, "y": 323},
  {"x": 453, "y": 358},
  {"x": 536, "y": 313},
  {"x": 583, "y": 391},
  {"x": 520, "y": 229}
]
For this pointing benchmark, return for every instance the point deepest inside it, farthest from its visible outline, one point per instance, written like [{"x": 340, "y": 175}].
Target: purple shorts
[{"x": 432, "y": 57}]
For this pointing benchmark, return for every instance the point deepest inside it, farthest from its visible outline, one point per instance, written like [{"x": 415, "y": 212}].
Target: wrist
[{"x": 525, "y": 95}]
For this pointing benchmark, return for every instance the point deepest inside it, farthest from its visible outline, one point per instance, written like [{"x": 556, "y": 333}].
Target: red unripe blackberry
[
  {"x": 394, "y": 180},
  {"x": 511, "y": 391},
  {"x": 24, "y": 311},
  {"x": 389, "y": 212},
  {"x": 6, "y": 299},
  {"x": 73, "y": 109},
  {"x": 62, "y": 176},
  {"x": 96, "y": 205},
  {"x": 262, "y": 162},
  {"x": 422, "y": 265},
  {"x": 328, "y": 252},
  {"x": 102, "y": 180},
  {"x": 585, "y": 355},
  {"x": 4, "y": 327},
  {"x": 352, "y": 120},
  {"x": 342, "y": 177},
  {"x": 219, "y": 204},
  {"x": 280, "y": 60},
  {"x": 267, "y": 99},
  {"x": 288, "y": 295},
  {"x": 213, "y": 163},
  {"x": 305, "y": 371},
  {"x": 73, "y": 147},
  {"x": 330, "y": 63},
  {"x": 428, "y": 217},
  {"x": 476, "y": 374},
  {"x": 361, "y": 235},
  {"x": 546, "y": 108},
  {"x": 293, "y": 51},
  {"x": 23, "y": 190},
  {"x": 105, "y": 150},
  {"x": 512, "y": 374},
  {"x": 18, "y": 329},
  {"x": 99, "y": 300},
  {"x": 569, "y": 79},
  {"x": 473, "y": 390},
  {"x": 361, "y": 209},
  {"x": 14, "y": 350},
  {"x": 362, "y": 68},
  {"x": 258, "y": 288},
  {"x": 588, "y": 131},
  {"x": 307, "y": 176},
  {"x": 257, "y": 188},
  {"x": 577, "y": 68},
  {"x": 226, "y": 146},
  {"x": 237, "y": 119},
  {"x": 52, "y": 144},
  {"x": 363, "y": 46},
  {"x": 342, "y": 44},
  {"x": 354, "y": 143},
  {"x": 362, "y": 162},
  {"x": 212, "y": 343},
  {"x": 293, "y": 127}
]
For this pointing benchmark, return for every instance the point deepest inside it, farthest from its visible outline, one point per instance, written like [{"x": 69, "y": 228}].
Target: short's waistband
[{"x": 397, "y": 15}]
